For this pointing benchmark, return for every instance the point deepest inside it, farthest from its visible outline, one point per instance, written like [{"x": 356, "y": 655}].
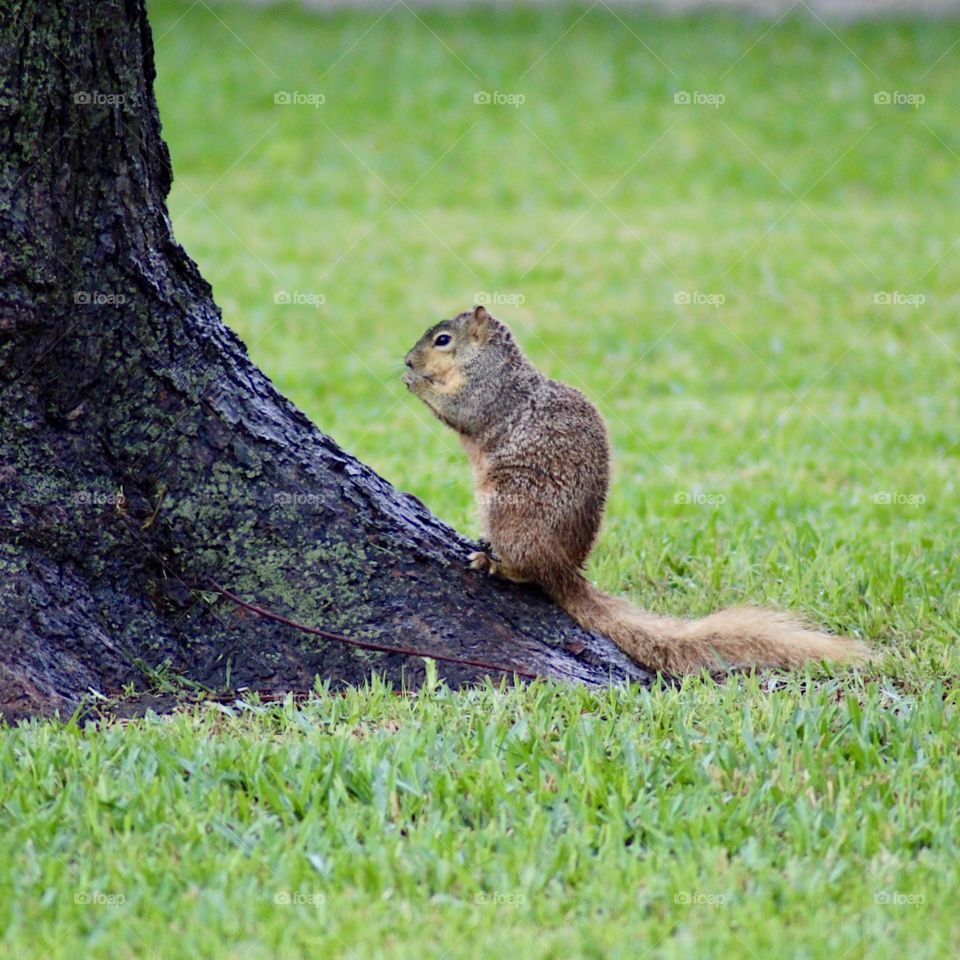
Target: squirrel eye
[{"x": 442, "y": 340}]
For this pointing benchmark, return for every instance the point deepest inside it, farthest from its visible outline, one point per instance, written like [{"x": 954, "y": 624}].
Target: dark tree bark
[{"x": 141, "y": 452}]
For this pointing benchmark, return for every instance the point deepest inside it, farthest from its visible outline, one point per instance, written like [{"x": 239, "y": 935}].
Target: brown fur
[{"x": 540, "y": 457}]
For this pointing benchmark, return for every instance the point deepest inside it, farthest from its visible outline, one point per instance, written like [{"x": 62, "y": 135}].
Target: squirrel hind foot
[{"x": 482, "y": 560}]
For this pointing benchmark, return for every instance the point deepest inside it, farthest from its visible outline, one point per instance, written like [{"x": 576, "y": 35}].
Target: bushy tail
[{"x": 736, "y": 637}]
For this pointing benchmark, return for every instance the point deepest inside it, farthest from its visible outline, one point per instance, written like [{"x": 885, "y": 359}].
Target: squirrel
[{"x": 541, "y": 462}]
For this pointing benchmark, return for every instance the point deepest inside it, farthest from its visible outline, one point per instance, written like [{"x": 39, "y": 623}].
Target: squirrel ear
[{"x": 480, "y": 324}]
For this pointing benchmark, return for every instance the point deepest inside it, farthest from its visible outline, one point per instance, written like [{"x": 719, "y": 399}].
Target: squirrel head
[{"x": 460, "y": 367}]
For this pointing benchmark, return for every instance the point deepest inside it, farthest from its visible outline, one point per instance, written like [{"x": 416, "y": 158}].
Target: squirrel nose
[{"x": 408, "y": 360}]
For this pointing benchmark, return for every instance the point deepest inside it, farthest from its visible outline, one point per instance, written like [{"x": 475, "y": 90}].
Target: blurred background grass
[{"x": 759, "y": 429}]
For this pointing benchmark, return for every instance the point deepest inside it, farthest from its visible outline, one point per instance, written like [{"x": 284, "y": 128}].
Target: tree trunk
[{"x": 142, "y": 454}]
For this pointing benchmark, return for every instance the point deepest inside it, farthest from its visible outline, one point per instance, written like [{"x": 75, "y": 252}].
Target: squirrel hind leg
[{"x": 482, "y": 560}]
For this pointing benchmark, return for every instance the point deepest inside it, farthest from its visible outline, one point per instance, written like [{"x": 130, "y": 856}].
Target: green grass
[
  {"x": 753, "y": 440},
  {"x": 533, "y": 822}
]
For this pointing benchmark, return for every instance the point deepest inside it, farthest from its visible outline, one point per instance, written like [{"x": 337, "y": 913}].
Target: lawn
[{"x": 740, "y": 239}]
